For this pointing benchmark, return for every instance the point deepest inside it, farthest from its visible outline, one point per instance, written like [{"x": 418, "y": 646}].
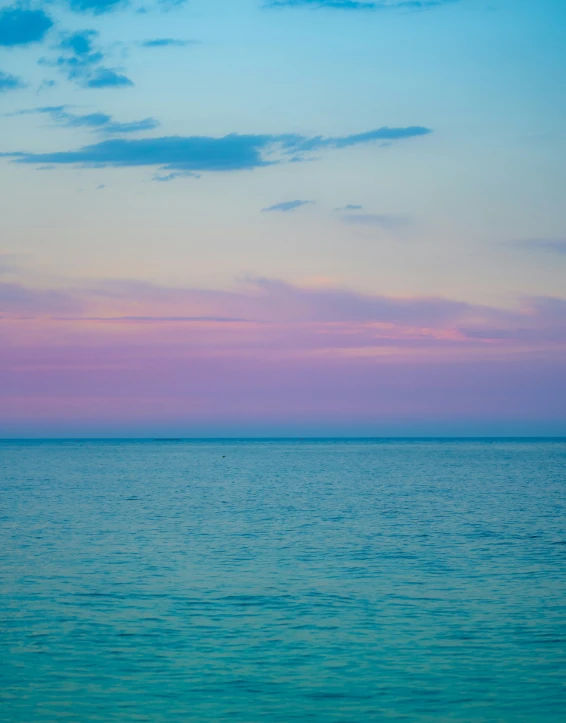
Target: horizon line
[{"x": 294, "y": 438}]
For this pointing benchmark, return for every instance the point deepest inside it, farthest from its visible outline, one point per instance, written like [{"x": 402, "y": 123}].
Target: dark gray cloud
[
  {"x": 190, "y": 154},
  {"x": 286, "y": 206},
  {"x": 20, "y": 26},
  {"x": 551, "y": 245},
  {"x": 10, "y": 82}
]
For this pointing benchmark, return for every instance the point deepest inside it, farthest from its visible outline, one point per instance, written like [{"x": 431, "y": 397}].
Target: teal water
[{"x": 331, "y": 582}]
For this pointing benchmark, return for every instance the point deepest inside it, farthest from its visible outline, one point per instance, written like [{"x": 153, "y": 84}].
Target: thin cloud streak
[
  {"x": 358, "y": 5},
  {"x": 166, "y": 43},
  {"x": 130, "y": 352},
  {"x": 555, "y": 245},
  {"x": 97, "y": 122},
  {"x": 388, "y": 222},
  {"x": 285, "y": 206},
  {"x": 205, "y": 153}
]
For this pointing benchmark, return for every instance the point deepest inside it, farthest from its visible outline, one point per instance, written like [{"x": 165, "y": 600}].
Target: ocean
[{"x": 331, "y": 581}]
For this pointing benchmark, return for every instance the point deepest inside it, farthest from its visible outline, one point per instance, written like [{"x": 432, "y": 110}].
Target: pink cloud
[{"x": 132, "y": 353}]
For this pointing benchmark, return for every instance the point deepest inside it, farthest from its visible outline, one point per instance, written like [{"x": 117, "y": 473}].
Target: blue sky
[
  {"x": 482, "y": 77},
  {"x": 394, "y": 148}
]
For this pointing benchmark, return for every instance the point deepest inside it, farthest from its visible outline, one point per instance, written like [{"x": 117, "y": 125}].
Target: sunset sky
[{"x": 298, "y": 217}]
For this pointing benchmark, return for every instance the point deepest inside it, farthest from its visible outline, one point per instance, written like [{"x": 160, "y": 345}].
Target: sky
[{"x": 282, "y": 218}]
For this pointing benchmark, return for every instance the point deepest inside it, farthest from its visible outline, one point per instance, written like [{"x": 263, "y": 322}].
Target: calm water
[{"x": 332, "y": 582}]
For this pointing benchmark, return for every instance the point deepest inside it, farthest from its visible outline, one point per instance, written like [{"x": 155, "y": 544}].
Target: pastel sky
[{"x": 282, "y": 217}]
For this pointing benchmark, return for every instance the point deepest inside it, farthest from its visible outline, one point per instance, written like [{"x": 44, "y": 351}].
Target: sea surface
[{"x": 278, "y": 581}]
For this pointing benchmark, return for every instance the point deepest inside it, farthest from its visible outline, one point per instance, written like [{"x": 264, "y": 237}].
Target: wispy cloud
[
  {"x": 555, "y": 245},
  {"x": 334, "y": 4},
  {"x": 10, "y": 82},
  {"x": 128, "y": 350},
  {"x": 99, "y": 122},
  {"x": 362, "y": 5},
  {"x": 101, "y": 7},
  {"x": 385, "y": 133},
  {"x": 286, "y": 206},
  {"x": 168, "y": 177},
  {"x": 286, "y": 306},
  {"x": 17, "y": 299},
  {"x": 81, "y": 60},
  {"x": 166, "y": 43},
  {"x": 349, "y": 207},
  {"x": 388, "y": 222},
  {"x": 204, "y": 153},
  {"x": 96, "y": 7},
  {"x": 20, "y": 26}
]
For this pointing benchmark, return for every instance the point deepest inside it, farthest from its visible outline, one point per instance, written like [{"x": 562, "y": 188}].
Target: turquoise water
[{"x": 332, "y": 582}]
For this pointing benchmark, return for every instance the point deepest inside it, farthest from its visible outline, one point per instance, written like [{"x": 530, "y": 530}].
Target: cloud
[
  {"x": 286, "y": 206},
  {"x": 96, "y": 7},
  {"x": 166, "y": 42},
  {"x": 19, "y": 26},
  {"x": 552, "y": 245},
  {"x": 166, "y": 178},
  {"x": 334, "y": 4},
  {"x": 9, "y": 263},
  {"x": 107, "y": 78},
  {"x": 81, "y": 61},
  {"x": 16, "y": 299},
  {"x": 204, "y": 153},
  {"x": 89, "y": 120},
  {"x": 341, "y": 305},
  {"x": 157, "y": 319},
  {"x": 263, "y": 300},
  {"x": 280, "y": 316},
  {"x": 10, "y": 82},
  {"x": 358, "y": 4},
  {"x": 388, "y": 222},
  {"x": 78, "y": 56},
  {"x": 132, "y": 351},
  {"x": 45, "y": 84},
  {"x": 379, "y": 134},
  {"x": 99, "y": 122},
  {"x": 349, "y": 207},
  {"x": 100, "y": 7},
  {"x": 145, "y": 124},
  {"x": 79, "y": 43}
]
